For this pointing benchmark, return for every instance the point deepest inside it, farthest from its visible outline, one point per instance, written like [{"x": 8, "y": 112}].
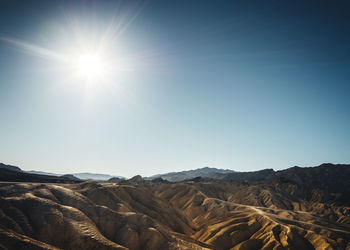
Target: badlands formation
[{"x": 289, "y": 211}]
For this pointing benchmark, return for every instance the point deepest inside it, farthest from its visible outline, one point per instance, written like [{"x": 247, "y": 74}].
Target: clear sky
[{"x": 243, "y": 85}]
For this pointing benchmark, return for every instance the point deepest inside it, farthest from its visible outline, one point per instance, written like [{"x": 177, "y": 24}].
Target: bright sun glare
[
  {"x": 85, "y": 57},
  {"x": 89, "y": 65}
]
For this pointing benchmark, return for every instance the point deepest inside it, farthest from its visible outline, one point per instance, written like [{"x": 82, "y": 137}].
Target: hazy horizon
[
  {"x": 175, "y": 171},
  {"x": 150, "y": 87}
]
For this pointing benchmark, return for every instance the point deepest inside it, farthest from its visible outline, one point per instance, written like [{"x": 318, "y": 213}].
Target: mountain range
[
  {"x": 296, "y": 208},
  {"x": 189, "y": 174},
  {"x": 82, "y": 176}
]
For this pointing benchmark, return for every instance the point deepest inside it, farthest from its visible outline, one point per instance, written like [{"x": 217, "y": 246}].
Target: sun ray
[
  {"x": 34, "y": 49},
  {"x": 92, "y": 53}
]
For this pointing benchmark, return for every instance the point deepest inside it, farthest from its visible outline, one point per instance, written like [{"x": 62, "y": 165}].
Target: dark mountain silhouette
[
  {"x": 15, "y": 174},
  {"x": 10, "y": 167},
  {"x": 82, "y": 176},
  {"x": 189, "y": 174}
]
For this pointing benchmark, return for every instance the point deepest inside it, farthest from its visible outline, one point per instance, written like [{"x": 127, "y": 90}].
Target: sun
[{"x": 89, "y": 65}]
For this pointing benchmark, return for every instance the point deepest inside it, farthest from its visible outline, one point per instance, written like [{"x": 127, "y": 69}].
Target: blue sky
[{"x": 235, "y": 85}]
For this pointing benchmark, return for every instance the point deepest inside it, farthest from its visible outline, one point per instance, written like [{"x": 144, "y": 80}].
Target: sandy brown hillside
[
  {"x": 259, "y": 216},
  {"x": 195, "y": 214}
]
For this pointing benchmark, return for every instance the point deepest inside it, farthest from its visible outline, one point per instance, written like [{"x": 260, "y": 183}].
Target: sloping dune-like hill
[{"x": 288, "y": 212}]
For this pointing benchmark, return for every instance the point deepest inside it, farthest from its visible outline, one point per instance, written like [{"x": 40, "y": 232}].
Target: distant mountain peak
[
  {"x": 10, "y": 167},
  {"x": 136, "y": 178},
  {"x": 206, "y": 171}
]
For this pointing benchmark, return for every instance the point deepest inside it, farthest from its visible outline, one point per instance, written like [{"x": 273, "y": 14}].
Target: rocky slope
[{"x": 301, "y": 209}]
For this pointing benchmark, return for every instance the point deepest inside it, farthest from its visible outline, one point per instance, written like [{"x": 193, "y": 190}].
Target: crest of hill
[
  {"x": 10, "y": 167},
  {"x": 190, "y": 174},
  {"x": 333, "y": 178},
  {"x": 10, "y": 173},
  {"x": 325, "y": 176}
]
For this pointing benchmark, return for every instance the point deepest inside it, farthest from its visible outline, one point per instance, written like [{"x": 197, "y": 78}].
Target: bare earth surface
[{"x": 203, "y": 214}]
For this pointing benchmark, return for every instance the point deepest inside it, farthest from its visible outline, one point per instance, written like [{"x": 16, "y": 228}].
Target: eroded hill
[{"x": 281, "y": 213}]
